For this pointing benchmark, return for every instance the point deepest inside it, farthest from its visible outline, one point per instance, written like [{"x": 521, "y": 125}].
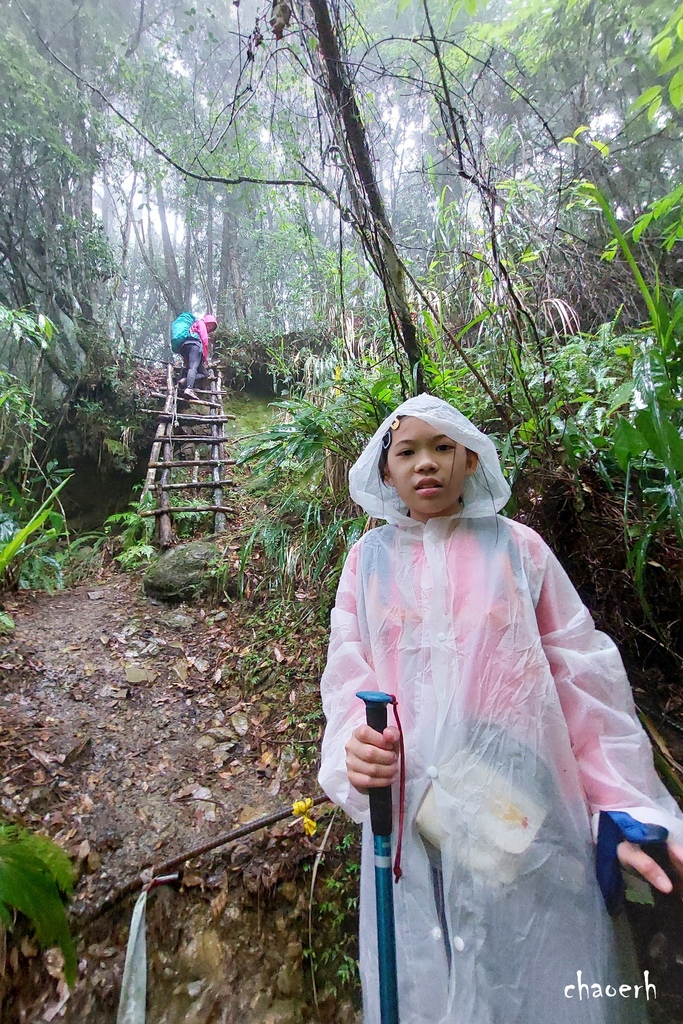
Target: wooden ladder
[{"x": 177, "y": 429}]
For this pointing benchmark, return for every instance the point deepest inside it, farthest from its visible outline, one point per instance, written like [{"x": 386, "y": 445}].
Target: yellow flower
[
  {"x": 310, "y": 826},
  {"x": 300, "y": 809}
]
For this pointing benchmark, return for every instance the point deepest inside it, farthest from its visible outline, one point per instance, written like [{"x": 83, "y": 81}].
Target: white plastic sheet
[{"x": 132, "y": 1004}]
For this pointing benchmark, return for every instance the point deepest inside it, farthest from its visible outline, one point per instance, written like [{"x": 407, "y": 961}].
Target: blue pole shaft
[
  {"x": 381, "y": 821},
  {"x": 386, "y": 936}
]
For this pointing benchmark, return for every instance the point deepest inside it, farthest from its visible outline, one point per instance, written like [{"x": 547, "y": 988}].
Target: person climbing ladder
[{"x": 190, "y": 339}]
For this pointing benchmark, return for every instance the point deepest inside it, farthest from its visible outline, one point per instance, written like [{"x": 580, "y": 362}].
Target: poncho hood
[{"x": 485, "y": 492}]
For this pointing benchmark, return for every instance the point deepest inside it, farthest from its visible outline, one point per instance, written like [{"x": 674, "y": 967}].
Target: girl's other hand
[
  {"x": 372, "y": 758},
  {"x": 634, "y": 857}
]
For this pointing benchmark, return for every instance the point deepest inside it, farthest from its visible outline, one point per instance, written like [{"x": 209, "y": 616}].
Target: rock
[
  {"x": 289, "y": 980},
  {"x": 179, "y": 574},
  {"x": 327, "y": 1006},
  {"x": 205, "y": 743},
  {"x": 204, "y": 955},
  {"x": 290, "y": 891},
  {"x": 177, "y": 620},
  {"x": 283, "y": 1011},
  {"x": 259, "y": 1003},
  {"x": 294, "y": 951}
]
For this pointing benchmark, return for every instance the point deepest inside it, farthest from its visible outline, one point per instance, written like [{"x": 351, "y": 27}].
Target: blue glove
[{"x": 613, "y": 828}]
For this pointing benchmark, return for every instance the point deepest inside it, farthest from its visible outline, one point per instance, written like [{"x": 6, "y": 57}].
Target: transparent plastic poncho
[{"x": 519, "y": 726}]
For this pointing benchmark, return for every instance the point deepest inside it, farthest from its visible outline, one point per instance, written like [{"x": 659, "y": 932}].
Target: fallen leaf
[
  {"x": 29, "y": 948},
  {"x": 180, "y": 669},
  {"x": 190, "y": 880},
  {"x": 45, "y": 758},
  {"x": 76, "y": 751},
  {"x": 218, "y": 904},
  {"x": 53, "y": 1009},
  {"x": 94, "y": 861},
  {"x": 134, "y": 674},
  {"x": 265, "y": 759},
  {"x": 249, "y": 813},
  {"x": 204, "y": 811},
  {"x": 240, "y": 723},
  {"x": 279, "y": 656},
  {"x": 96, "y": 595}
]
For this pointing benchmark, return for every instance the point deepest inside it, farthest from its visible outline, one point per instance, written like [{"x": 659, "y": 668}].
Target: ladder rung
[
  {"x": 172, "y": 509},
  {"x": 199, "y": 439},
  {"x": 209, "y": 484},
  {"x": 191, "y": 462},
  {"x": 188, "y": 417}
]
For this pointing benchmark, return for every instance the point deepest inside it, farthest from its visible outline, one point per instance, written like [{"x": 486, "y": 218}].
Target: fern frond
[{"x": 34, "y": 872}]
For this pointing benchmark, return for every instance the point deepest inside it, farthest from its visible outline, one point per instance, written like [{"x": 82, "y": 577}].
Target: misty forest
[{"x": 481, "y": 201}]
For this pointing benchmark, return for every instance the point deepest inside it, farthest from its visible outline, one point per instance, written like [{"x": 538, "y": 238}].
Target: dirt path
[{"x": 131, "y": 732}]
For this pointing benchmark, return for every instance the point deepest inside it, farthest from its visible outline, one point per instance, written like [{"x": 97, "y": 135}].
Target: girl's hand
[
  {"x": 372, "y": 758},
  {"x": 634, "y": 857}
]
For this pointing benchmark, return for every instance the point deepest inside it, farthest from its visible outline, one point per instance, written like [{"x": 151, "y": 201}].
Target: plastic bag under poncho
[{"x": 519, "y": 724}]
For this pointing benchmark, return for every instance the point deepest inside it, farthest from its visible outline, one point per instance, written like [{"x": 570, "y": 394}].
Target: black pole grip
[{"x": 380, "y": 799}]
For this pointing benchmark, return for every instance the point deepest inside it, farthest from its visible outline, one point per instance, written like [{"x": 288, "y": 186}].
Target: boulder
[{"x": 181, "y": 573}]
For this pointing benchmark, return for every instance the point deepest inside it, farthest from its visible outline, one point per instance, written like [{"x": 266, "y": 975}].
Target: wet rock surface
[{"x": 181, "y": 573}]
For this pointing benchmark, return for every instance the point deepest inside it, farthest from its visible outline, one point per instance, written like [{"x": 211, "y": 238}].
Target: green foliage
[
  {"x": 308, "y": 526},
  {"x": 133, "y": 533},
  {"x": 667, "y": 51},
  {"x": 301, "y": 541},
  {"x": 35, "y": 534},
  {"x": 334, "y": 957},
  {"x": 34, "y": 874}
]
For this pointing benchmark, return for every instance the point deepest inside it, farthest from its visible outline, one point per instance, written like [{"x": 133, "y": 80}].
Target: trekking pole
[{"x": 380, "y": 819}]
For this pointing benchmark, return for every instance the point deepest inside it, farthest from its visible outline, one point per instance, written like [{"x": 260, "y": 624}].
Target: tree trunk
[
  {"x": 230, "y": 269},
  {"x": 210, "y": 279},
  {"x": 187, "y": 294},
  {"x": 175, "y": 290},
  {"x": 349, "y": 131}
]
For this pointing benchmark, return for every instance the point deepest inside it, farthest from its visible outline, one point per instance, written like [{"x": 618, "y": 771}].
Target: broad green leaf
[
  {"x": 628, "y": 443},
  {"x": 601, "y": 147},
  {"x": 9, "y": 551},
  {"x": 647, "y": 97},
  {"x": 662, "y": 438},
  {"x": 674, "y": 61},
  {"x": 662, "y": 49},
  {"x": 640, "y": 225},
  {"x": 676, "y": 90},
  {"x": 654, "y": 108},
  {"x": 621, "y": 396}
]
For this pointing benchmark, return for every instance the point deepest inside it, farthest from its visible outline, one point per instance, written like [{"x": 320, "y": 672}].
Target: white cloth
[{"x": 500, "y": 676}]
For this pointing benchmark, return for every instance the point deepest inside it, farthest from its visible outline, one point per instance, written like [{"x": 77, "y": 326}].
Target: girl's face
[{"x": 428, "y": 469}]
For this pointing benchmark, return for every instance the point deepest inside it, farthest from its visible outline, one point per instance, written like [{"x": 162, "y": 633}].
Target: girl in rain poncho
[{"x": 519, "y": 727}]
